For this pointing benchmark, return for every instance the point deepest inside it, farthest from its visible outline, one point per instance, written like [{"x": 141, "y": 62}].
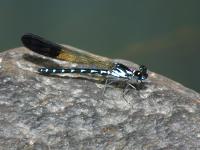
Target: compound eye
[
  {"x": 143, "y": 69},
  {"x": 138, "y": 74}
]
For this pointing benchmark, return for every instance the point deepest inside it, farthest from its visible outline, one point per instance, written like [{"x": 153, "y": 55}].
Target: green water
[{"x": 162, "y": 34}]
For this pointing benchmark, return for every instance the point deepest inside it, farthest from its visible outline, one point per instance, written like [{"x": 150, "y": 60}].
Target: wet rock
[{"x": 63, "y": 112}]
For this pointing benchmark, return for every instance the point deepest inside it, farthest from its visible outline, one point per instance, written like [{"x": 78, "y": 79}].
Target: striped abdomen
[{"x": 102, "y": 72}]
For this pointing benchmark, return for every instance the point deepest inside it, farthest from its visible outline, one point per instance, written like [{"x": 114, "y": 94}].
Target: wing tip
[{"x": 40, "y": 45}]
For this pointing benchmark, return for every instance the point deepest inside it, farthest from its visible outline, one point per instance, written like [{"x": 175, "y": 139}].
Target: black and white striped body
[
  {"x": 118, "y": 71},
  {"x": 74, "y": 70},
  {"x": 121, "y": 71}
]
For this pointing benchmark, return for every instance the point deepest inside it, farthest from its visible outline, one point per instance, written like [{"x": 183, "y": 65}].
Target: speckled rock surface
[{"x": 53, "y": 112}]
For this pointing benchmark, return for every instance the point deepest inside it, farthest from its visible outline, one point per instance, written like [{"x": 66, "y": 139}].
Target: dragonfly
[{"x": 104, "y": 67}]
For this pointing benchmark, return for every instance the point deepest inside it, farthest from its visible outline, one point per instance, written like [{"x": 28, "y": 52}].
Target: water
[{"x": 164, "y": 35}]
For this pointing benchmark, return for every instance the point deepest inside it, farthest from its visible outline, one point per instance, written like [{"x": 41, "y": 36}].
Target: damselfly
[{"x": 104, "y": 67}]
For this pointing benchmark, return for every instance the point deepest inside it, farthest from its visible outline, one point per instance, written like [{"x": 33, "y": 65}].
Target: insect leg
[
  {"x": 106, "y": 84},
  {"x": 125, "y": 91}
]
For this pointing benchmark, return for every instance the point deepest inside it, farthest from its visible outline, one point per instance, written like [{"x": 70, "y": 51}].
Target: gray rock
[{"x": 62, "y": 112}]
